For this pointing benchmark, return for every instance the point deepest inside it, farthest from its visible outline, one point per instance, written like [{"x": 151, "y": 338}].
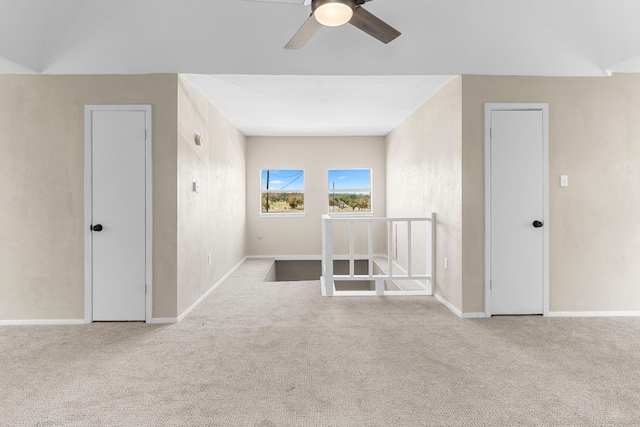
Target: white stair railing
[{"x": 424, "y": 281}]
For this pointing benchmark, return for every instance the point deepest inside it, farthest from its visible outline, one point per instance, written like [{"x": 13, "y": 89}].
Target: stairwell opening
[{"x": 304, "y": 270}]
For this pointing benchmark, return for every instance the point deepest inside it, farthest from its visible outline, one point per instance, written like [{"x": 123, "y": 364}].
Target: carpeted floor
[{"x": 277, "y": 354}]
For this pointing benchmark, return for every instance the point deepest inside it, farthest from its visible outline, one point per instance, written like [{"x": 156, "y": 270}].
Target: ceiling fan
[{"x": 333, "y": 13}]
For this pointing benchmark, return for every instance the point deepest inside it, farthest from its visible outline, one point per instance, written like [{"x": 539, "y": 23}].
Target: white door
[
  {"x": 118, "y": 147},
  {"x": 517, "y": 212}
]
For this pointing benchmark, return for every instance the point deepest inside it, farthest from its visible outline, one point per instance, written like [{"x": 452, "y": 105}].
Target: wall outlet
[
  {"x": 259, "y": 236},
  {"x": 446, "y": 263}
]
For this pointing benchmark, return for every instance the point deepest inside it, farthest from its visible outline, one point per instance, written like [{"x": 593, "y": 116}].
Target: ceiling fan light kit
[{"x": 333, "y": 13}]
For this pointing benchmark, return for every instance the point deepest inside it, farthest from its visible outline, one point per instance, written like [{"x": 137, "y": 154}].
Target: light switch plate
[{"x": 564, "y": 180}]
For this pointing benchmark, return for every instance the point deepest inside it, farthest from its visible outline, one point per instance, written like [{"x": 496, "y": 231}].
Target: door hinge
[
  {"x": 490, "y": 132},
  {"x": 145, "y": 134},
  {"x": 145, "y": 288},
  {"x": 490, "y": 285}
]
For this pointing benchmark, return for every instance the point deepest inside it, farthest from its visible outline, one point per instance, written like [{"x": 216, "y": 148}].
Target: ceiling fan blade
[
  {"x": 303, "y": 35},
  {"x": 373, "y": 25}
]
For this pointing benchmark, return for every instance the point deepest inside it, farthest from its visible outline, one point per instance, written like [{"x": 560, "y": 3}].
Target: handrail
[{"x": 328, "y": 256}]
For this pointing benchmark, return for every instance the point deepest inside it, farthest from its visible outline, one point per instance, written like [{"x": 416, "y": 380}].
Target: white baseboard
[
  {"x": 157, "y": 320},
  {"x": 206, "y": 294},
  {"x": 359, "y": 257},
  {"x": 287, "y": 257},
  {"x": 478, "y": 315},
  {"x": 42, "y": 322},
  {"x": 594, "y": 314},
  {"x": 458, "y": 312}
]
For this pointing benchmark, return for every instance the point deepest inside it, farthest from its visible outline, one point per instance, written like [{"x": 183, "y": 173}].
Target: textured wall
[
  {"x": 424, "y": 175},
  {"x": 211, "y": 221},
  {"x": 42, "y": 189},
  {"x": 594, "y": 137},
  {"x": 302, "y": 236}
]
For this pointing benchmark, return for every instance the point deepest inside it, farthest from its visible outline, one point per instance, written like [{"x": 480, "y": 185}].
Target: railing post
[
  {"x": 328, "y": 261},
  {"x": 352, "y": 270},
  {"x": 370, "y": 246},
  {"x": 389, "y": 245}
]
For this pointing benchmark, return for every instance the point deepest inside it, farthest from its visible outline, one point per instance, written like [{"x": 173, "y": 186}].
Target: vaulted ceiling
[{"x": 246, "y": 37}]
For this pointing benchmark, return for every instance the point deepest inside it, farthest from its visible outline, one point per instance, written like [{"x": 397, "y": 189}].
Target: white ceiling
[
  {"x": 333, "y": 105},
  {"x": 239, "y": 45}
]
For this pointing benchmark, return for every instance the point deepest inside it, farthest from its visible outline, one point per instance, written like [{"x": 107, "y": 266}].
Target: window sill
[{"x": 282, "y": 215}]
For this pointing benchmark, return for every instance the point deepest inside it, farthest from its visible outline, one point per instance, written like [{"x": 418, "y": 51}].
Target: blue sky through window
[
  {"x": 350, "y": 179},
  {"x": 289, "y": 180}
]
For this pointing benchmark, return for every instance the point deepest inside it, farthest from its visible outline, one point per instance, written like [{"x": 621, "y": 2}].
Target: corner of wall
[
  {"x": 211, "y": 230},
  {"x": 472, "y": 203},
  {"x": 424, "y": 174}
]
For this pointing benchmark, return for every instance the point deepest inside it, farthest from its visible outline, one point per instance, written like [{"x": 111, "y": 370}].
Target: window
[
  {"x": 349, "y": 190},
  {"x": 282, "y": 191}
]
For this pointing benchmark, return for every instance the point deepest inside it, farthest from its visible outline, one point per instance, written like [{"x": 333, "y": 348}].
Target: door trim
[
  {"x": 488, "y": 108},
  {"x": 88, "y": 235}
]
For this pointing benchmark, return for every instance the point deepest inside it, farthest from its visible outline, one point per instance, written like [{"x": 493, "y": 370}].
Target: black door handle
[
  {"x": 97, "y": 227},
  {"x": 538, "y": 224}
]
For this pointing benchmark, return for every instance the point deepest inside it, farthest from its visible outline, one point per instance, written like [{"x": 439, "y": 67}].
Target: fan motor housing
[{"x": 317, "y": 3}]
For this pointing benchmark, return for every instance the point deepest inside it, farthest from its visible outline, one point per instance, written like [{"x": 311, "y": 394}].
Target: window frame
[
  {"x": 351, "y": 213},
  {"x": 300, "y": 214}
]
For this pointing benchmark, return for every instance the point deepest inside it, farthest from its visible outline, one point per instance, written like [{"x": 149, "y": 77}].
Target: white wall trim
[
  {"x": 479, "y": 315},
  {"x": 594, "y": 314},
  {"x": 166, "y": 320},
  {"x": 373, "y": 294},
  {"x": 43, "y": 322},
  {"x": 359, "y": 257},
  {"x": 448, "y": 304},
  {"x": 287, "y": 257},
  {"x": 488, "y": 108},
  {"x": 211, "y": 289},
  {"x": 88, "y": 235},
  {"x": 458, "y": 312}
]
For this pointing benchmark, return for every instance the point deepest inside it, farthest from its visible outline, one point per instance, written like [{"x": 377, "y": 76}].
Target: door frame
[
  {"x": 88, "y": 197},
  {"x": 488, "y": 108}
]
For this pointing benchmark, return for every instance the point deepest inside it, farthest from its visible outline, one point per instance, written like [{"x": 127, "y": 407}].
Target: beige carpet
[{"x": 277, "y": 354}]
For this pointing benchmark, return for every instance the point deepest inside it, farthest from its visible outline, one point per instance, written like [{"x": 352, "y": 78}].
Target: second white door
[
  {"x": 517, "y": 212},
  {"x": 118, "y": 144}
]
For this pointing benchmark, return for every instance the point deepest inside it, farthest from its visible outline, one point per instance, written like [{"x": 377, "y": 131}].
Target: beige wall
[
  {"x": 316, "y": 155},
  {"x": 424, "y": 175},
  {"x": 594, "y": 137},
  {"x": 42, "y": 189},
  {"x": 211, "y": 221}
]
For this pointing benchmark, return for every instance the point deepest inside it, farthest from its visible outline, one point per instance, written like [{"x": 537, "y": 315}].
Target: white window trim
[
  {"x": 354, "y": 213},
  {"x": 300, "y": 214}
]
